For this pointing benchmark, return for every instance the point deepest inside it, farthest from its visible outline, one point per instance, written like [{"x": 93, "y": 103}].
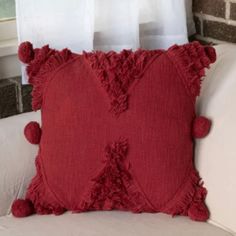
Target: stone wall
[
  {"x": 14, "y": 97},
  {"x": 215, "y": 20}
]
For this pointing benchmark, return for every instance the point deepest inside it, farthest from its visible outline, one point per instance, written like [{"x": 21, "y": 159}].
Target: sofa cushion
[
  {"x": 216, "y": 155},
  {"x": 16, "y": 159},
  {"x": 106, "y": 224},
  {"x": 117, "y": 130}
]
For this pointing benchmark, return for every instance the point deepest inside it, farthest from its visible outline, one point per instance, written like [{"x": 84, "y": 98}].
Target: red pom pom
[
  {"x": 201, "y": 127},
  {"x": 22, "y": 208},
  {"x": 198, "y": 211},
  {"x": 32, "y": 132},
  {"x": 211, "y": 53},
  {"x": 26, "y": 52}
]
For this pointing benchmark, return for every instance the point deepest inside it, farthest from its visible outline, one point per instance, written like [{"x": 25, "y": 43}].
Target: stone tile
[
  {"x": 210, "y": 7},
  {"x": 198, "y": 25},
  {"x": 233, "y": 11},
  {"x": 8, "y": 98},
  {"x": 26, "y": 97},
  {"x": 220, "y": 31},
  {"x": 201, "y": 41}
]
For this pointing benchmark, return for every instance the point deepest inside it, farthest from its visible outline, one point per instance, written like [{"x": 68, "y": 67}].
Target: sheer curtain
[{"x": 104, "y": 24}]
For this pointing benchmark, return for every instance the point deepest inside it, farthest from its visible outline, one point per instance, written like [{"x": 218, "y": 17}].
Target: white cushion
[
  {"x": 106, "y": 224},
  {"x": 16, "y": 159},
  {"x": 216, "y": 154}
]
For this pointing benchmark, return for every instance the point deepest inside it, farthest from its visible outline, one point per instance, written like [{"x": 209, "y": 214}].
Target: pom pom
[
  {"x": 58, "y": 210},
  {"x": 198, "y": 212},
  {"x": 26, "y": 52},
  {"x": 201, "y": 127},
  {"x": 22, "y": 208},
  {"x": 32, "y": 132},
  {"x": 211, "y": 53}
]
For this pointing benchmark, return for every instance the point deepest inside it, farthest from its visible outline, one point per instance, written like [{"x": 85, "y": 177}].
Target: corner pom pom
[
  {"x": 211, "y": 53},
  {"x": 198, "y": 212},
  {"x": 26, "y": 52},
  {"x": 201, "y": 127},
  {"x": 22, "y": 208},
  {"x": 32, "y": 132}
]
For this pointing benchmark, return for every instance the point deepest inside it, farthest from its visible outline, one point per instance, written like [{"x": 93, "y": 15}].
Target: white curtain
[{"x": 104, "y": 24}]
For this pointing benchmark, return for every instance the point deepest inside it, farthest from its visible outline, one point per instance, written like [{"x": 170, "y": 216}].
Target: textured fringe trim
[
  {"x": 117, "y": 72},
  {"x": 53, "y": 59},
  {"x": 192, "y": 194},
  {"x": 191, "y": 60},
  {"x": 42, "y": 199},
  {"x": 113, "y": 187},
  {"x": 42, "y": 61}
]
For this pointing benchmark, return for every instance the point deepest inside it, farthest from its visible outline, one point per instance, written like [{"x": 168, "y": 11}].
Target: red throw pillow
[{"x": 117, "y": 130}]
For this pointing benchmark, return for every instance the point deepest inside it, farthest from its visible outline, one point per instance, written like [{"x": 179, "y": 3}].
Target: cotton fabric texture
[{"x": 117, "y": 130}]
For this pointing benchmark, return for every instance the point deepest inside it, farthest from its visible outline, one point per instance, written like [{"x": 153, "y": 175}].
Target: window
[
  {"x": 7, "y": 20},
  {"x": 7, "y": 10},
  {"x": 9, "y": 66}
]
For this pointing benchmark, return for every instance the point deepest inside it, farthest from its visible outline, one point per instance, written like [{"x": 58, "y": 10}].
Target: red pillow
[{"x": 117, "y": 130}]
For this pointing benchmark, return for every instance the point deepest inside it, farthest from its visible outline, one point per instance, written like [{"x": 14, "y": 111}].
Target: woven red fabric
[
  {"x": 117, "y": 130},
  {"x": 32, "y": 132},
  {"x": 22, "y": 208},
  {"x": 201, "y": 127}
]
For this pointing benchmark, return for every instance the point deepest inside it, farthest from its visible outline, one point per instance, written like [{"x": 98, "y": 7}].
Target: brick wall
[
  {"x": 14, "y": 97},
  {"x": 215, "y": 20}
]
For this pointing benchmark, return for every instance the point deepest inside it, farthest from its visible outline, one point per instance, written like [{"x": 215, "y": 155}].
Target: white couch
[{"x": 215, "y": 159}]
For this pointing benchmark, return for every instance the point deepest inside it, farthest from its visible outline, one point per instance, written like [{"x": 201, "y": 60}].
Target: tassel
[
  {"x": 118, "y": 71},
  {"x": 191, "y": 60},
  {"x": 113, "y": 187},
  {"x": 41, "y": 62},
  {"x": 190, "y": 200}
]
